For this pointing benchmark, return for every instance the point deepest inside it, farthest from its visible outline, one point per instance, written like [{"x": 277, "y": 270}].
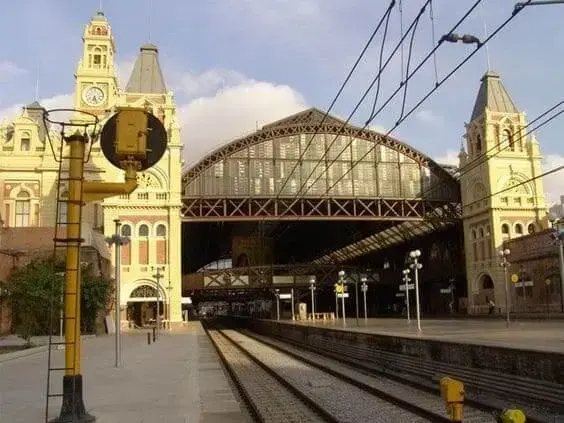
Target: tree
[
  {"x": 32, "y": 289},
  {"x": 29, "y": 291}
]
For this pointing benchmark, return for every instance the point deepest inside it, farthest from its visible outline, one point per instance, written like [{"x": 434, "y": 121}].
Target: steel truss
[
  {"x": 392, "y": 209},
  {"x": 257, "y": 277}
]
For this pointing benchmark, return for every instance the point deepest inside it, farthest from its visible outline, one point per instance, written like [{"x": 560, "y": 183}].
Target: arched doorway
[{"x": 142, "y": 305}]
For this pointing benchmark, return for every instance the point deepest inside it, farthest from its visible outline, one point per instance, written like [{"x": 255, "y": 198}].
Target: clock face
[{"x": 94, "y": 96}]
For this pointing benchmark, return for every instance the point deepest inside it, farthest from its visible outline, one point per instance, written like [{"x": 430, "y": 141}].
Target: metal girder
[
  {"x": 312, "y": 121},
  {"x": 225, "y": 209},
  {"x": 256, "y": 277}
]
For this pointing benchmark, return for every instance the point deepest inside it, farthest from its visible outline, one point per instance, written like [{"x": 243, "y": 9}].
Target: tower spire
[
  {"x": 149, "y": 12},
  {"x": 487, "y": 50}
]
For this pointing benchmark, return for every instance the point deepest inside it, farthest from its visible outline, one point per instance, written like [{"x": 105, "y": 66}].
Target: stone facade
[
  {"x": 150, "y": 215},
  {"x": 499, "y": 199}
]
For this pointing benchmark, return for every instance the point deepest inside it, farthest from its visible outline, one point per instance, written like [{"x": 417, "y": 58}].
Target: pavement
[
  {"x": 530, "y": 335},
  {"x": 178, "y": 379}
]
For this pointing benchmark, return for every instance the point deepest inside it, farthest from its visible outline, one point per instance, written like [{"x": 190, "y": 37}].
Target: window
[
  {"x": 23, "y": 204},
  {"x": 531, "y": 228},
  {"x": 519, "y": 229},
  {"x": 478, "y": 144},
  {"x": 505, "y": 230},
  {"x": 126, "y": 230},
  {"x": 481, "y": 232},
  {"x": 143, "y": 230},
  {"x": 161, "y": 230},
  {"x": 25, "y": 142}
]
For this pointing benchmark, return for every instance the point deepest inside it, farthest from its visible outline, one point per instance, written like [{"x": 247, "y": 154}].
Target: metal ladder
[{"x": 59, "y": 291}]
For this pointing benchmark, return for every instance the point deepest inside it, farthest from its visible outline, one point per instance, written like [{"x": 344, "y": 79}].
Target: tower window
[
  {"x": 478, "y": 144},
  {"x": 531, "y": 228},
  {"x": 519, "y": 229},
  {"x": 126, "y": 230},
  {"x": 161, "y": 230},
  {"x": 507, "y": 140}
]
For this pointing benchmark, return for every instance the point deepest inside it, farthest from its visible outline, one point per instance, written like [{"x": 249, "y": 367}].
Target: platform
[
  {"x": 178, "y": 379},
  {"x": 546, "y": 336}
]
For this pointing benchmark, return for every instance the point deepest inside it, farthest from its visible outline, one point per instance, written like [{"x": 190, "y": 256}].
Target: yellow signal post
[
  {"x": 130, "y": 150},
  {"x": 452, "y": 392}
]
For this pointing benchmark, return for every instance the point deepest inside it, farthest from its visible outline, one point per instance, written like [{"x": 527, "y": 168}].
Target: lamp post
[
  {"x": 312, "y": 288},
  {"x": 277, "y": 294},
  {"x": 158, "y": 277},
  {"x": 406, "y": 280},
  {"x": 117, "y": 240},
  {"x": 342, "y": 283},
  {"x": 416, "y": 266},
  {"x": 503, "y": 254},
  {"x": 364, "y": 288},
  {"x": 169, "y": 290}
]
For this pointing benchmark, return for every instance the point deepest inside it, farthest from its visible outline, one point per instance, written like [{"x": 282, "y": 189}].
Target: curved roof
[{"x": 311, "y": 121}]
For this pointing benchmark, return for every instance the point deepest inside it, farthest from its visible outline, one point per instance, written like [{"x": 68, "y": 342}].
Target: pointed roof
[
  {"x": 147, "y": 76},
  {"x": 492, "y": 96},
  {"x": 311, "y": 116},
  {"x": 99, "y": 17},
  {"x": 34, "y": 106}
]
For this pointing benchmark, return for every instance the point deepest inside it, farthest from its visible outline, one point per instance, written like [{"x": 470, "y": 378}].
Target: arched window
[
  {"x": 161, "y": 230},
  {"x": 505, "y": 230},
  {"x": 487, "y": 282},
  {"x": 97, "y": 58},
  {"x": 481, "y": 232},
  {"x": 143, "y": 230},
  {"x": 25, "y": 141},
  {"x": 531, "y": 229},
  {"x": 473, "y": 234},
  {"x": 23, "y": 209},
  {"x": 478, "y": 144},
  {"x": 126, "y": 230},
  {"x": 519, "y": 229},
  {"x": 507, "y": 140}
]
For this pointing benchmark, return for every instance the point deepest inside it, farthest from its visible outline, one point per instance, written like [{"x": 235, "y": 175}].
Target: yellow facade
[
  {"x": 151, "y": 214},
  {"x": 499, "y": 156}
]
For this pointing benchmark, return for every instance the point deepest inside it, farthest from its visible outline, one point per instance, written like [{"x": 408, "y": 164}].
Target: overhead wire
[
  {"x": 359, "y": 103},
  {"x": 409, "y": 55},
  {"x": 433, "y": 38},
  {"x": 376, "y": 78},
  {"x": 380, "y": 60},
  {"x": 343, "y": 85},
  {"x": 425, "y": 97}
]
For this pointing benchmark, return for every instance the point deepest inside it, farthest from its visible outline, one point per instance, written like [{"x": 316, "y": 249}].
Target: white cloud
[
  {"x": 450, "y": 158},
  {"x": 59, "y": 101},
  {"x": 209, "y": 82},
  {"x": 208, "y": 122},
  {"x": 429, "y": 117},
  {"x": 553, "y": 183},
  {"x": 9, "y": 70}
]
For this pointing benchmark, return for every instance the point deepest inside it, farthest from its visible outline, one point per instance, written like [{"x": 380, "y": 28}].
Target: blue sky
[{"x": 233, "y": 63}]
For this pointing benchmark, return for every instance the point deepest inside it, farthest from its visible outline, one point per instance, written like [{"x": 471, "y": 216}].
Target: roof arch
[{"x": 422, "y": 174}]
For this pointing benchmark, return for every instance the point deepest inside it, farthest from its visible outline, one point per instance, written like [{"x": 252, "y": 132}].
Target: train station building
[{"x": 305, "y": 196}]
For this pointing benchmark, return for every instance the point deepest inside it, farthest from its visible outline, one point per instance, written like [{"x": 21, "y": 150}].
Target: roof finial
[
  {"x": 485, "y": 38},
  {"x": 150, "y": 10},
  {"x": 37, "y": 88}
]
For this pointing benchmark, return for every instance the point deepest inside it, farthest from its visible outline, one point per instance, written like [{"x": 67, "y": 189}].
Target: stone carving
[
  {"x": 144, "y": 291},
  {"x": 146, "y": 180}
]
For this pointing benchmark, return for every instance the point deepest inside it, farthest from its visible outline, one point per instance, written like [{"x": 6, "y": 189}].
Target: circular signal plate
[{"x": 156, "y": 142}]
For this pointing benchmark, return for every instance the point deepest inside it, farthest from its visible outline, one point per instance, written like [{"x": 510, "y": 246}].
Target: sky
[{"x": 238, "y": 64}]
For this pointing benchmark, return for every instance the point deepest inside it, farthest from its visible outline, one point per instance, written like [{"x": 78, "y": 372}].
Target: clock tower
[{"x": 96, "y": 79}]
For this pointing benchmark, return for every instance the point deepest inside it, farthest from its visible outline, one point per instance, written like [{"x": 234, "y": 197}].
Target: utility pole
[
  {"x": 158, "y": 277},
  {"x": 416, "y": 266},
  {"x": 117, "y": 240}
]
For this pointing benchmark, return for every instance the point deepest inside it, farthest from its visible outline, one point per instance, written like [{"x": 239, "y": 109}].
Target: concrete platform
[
  {"x": 178, "y": 379},
  {"x": 546, "y": 336}
]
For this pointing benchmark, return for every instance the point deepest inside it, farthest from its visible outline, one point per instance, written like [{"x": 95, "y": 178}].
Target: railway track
[{"x": 283, "y": 384}]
